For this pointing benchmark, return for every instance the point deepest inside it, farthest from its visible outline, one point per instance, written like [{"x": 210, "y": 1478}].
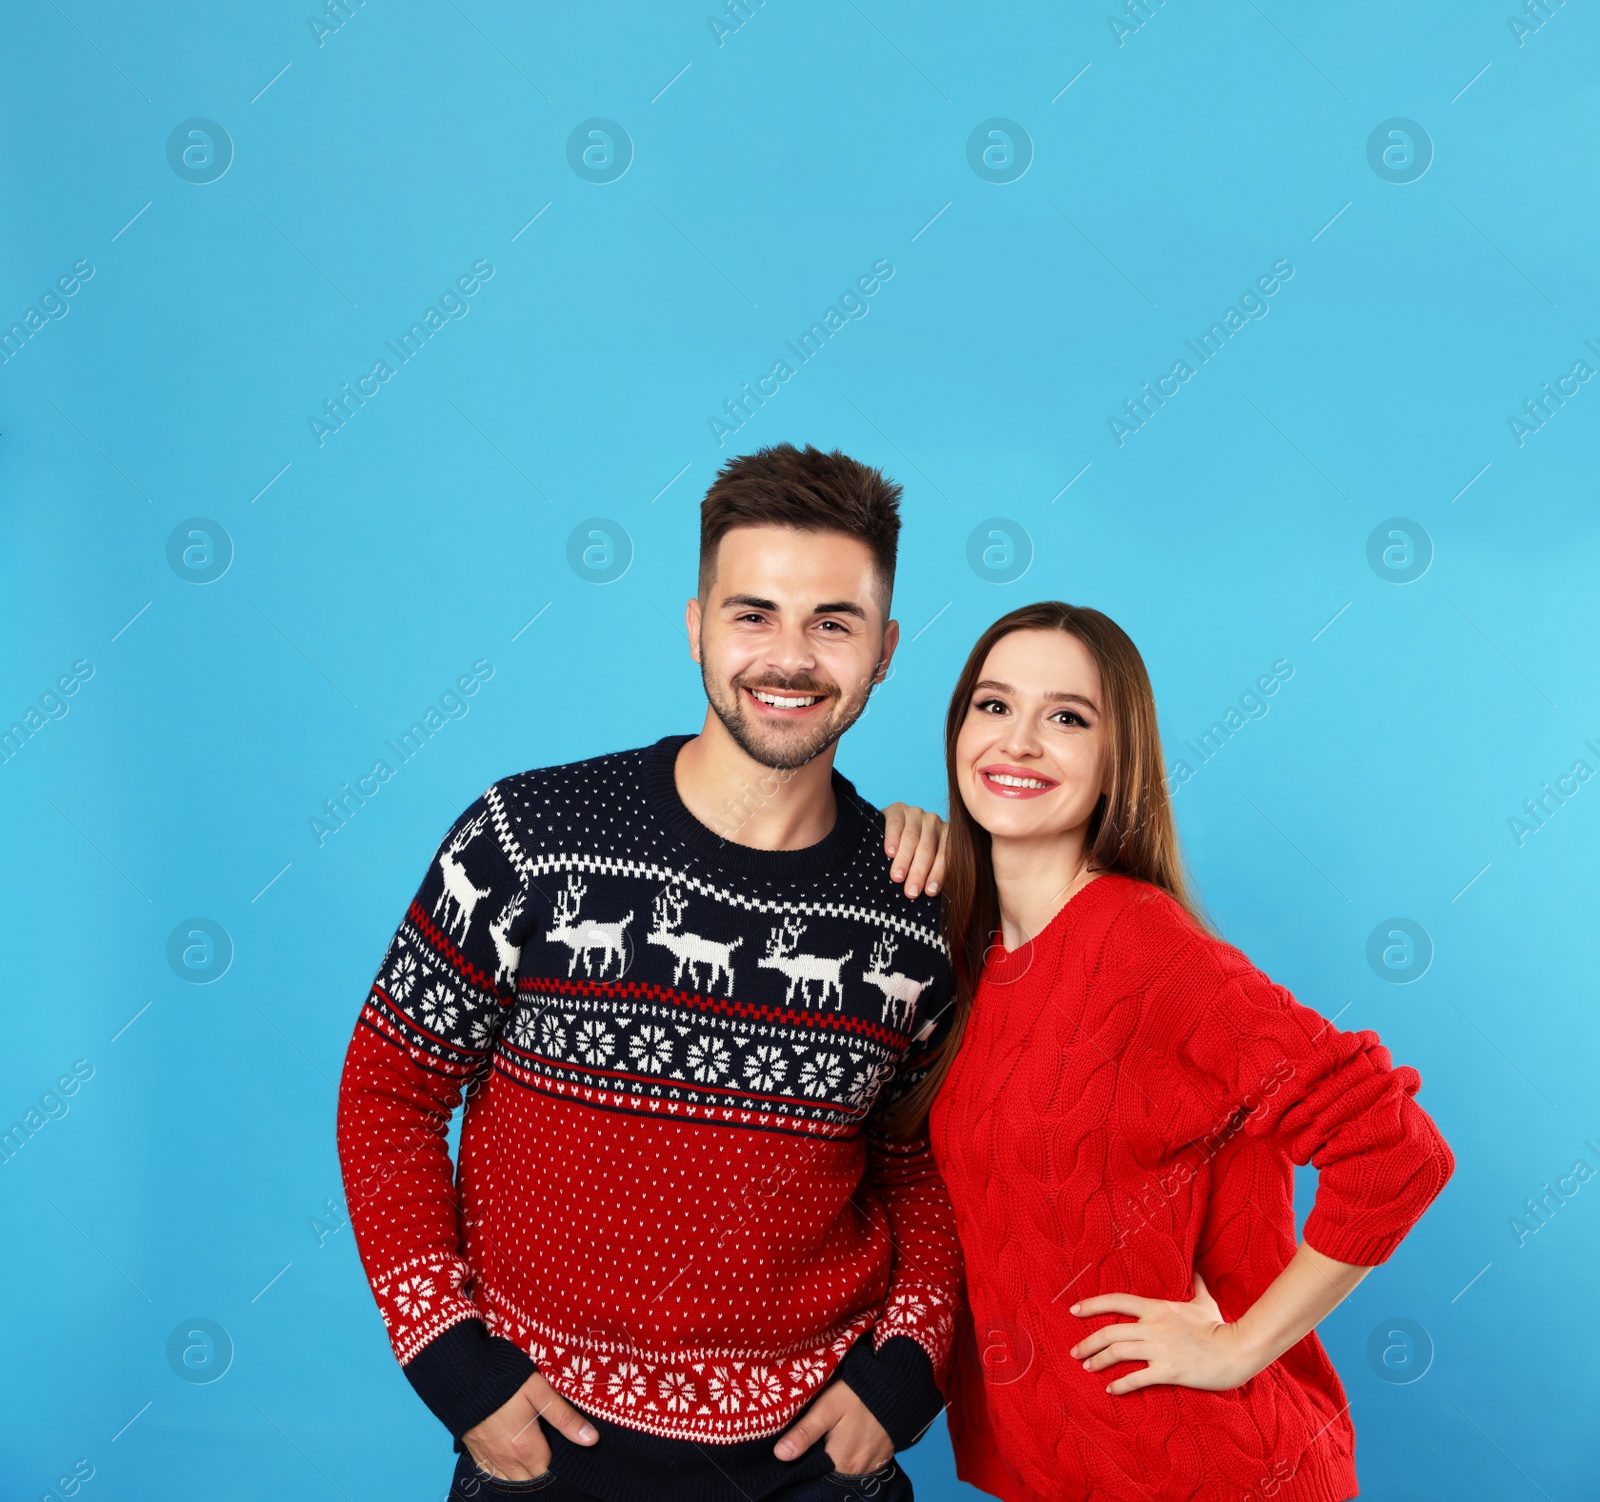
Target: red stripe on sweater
[
  {"x": 651, "y": 992},
  {"x": 445, "y": 946},
  {"x": 389, "y": 1029}
]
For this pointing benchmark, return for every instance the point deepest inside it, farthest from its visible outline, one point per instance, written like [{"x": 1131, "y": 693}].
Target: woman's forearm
[{"x": 1309, "y": 1288}]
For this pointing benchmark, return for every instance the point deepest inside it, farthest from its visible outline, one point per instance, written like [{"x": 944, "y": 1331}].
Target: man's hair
[{"x": 809, "y": 490}]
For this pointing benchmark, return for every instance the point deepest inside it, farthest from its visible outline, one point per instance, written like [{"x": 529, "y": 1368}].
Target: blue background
[{"x": 194, "y": 1175}]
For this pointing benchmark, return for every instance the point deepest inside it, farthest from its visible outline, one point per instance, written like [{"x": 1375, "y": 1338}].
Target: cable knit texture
[
  {"x": 673, "y": 1200},
  {"x": 1127, "y": 1105}
]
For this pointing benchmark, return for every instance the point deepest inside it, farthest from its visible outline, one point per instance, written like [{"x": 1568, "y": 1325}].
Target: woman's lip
[{"x": 1000, "y": 790}]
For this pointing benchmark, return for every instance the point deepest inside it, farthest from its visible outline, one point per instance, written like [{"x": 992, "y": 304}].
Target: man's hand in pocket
[
  {"x": 510, "y": 1446},
  {"x": 855, "y": 1441}
]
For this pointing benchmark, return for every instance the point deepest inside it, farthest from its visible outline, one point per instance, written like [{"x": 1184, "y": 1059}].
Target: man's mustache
[{"x": 800, "y": 685}]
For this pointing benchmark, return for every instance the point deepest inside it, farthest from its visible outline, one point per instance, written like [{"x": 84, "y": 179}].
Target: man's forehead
[
  {"x": 794, "y": 546},
  {"x": 788, "y": 570},
  {"x": 788, "y": 561}
]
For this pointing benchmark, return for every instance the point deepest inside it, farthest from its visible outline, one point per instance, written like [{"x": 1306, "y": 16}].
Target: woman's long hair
[{"x": 1130, "y": 830}]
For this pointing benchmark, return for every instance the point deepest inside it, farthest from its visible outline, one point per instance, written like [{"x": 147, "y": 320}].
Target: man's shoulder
[
  {"x": 573, "y": 803},
  {"x": 543, "y": 781},
  {"x": 867, "y": 813},
  {"x": 868, "y": 866}
]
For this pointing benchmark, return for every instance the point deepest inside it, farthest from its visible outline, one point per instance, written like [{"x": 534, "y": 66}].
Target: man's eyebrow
[
  {"x": 834, "y": 607},
  {"x": 1059, "y": 696}
]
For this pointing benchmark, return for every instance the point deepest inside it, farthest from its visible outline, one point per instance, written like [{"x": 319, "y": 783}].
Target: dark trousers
[{"x": 888, "y": 1484}]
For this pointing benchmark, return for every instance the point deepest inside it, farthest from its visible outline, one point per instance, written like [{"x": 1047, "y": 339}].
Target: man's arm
[
  {"x": 896, "y": 1371},
  {"x": 431, "y": 1016}
]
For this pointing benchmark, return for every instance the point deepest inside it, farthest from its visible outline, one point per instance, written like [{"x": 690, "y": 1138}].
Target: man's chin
[
  {"x": 784, "y": 753},
  {"x": 778, "y": 749}
]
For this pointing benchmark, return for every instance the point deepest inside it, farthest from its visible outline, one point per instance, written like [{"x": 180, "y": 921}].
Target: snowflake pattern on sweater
[{"x": 671, "y": 1191}]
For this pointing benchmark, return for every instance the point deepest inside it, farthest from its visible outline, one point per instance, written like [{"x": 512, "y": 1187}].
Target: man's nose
[{"x": 790, "y": 653}]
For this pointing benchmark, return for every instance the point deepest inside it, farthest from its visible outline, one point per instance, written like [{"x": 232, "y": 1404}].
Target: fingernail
[
  {"x": 899, "y": 873},
  {"x": 1075, "y": 1308},
  {"x": 785, "y": 1450},
  {"x": 912, "y": 889},
  {"x": 933, "y": 887},
  {"x": 587, "y": 1434}
]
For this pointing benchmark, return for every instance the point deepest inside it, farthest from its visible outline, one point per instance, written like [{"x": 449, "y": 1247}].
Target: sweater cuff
[
  {"x": 1349, "y": 1243},
  {"x": 466, "y": 1374},
  {"x": 896, "y": 1384}
]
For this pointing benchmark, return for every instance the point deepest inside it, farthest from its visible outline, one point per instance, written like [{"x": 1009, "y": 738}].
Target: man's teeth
[
  {"x": 1006, "y": 781},
  {"x": 780, "y": 701}
]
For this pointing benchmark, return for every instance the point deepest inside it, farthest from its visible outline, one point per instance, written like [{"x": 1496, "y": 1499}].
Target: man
[{"x": 681, "y": 1260}]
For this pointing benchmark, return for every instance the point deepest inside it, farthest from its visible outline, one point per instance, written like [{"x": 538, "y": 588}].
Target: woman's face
[{"x": 1031, "y": 753}]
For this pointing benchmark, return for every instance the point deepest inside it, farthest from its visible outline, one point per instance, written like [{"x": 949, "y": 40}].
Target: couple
[{"x": 764, "y": 1161}]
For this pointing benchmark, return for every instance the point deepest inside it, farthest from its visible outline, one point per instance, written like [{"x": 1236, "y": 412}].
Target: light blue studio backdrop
[{"x": 356, "y": 376}]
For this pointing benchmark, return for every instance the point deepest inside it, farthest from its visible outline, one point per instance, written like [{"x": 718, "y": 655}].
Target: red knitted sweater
[
  {"x": 1127, "y": 1104},
  {"x": 676, "y": 1198}
]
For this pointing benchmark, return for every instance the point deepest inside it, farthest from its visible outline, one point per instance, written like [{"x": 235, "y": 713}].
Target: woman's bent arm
[{"x": 1189, "y": 1344}]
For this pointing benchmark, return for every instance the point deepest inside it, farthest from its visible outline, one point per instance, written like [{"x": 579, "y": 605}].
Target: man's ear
[
  {"x": 691, "y": 626},
  {"x": 891, "y": 640}
]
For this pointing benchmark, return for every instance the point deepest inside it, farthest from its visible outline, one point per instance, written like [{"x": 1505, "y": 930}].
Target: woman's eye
[
  {"x": 1070, "y": 717},
  {"x": 990, "y": 706}
]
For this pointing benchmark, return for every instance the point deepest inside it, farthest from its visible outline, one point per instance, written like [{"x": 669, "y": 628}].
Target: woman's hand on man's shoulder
[{"x": 914, "y": 839}]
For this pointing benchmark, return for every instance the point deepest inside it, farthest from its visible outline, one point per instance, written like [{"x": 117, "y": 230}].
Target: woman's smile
[{"x": 1014, "y": 782}]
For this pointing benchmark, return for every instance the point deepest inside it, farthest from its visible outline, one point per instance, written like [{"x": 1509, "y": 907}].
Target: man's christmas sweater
[{"x": 673, "y": 1200}]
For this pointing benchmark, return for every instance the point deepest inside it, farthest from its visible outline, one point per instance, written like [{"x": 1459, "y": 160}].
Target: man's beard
[{"x": 784, "y": 752}]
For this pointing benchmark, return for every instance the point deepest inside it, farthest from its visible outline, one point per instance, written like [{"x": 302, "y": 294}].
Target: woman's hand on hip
[{"x": 1185, "y": 1344}]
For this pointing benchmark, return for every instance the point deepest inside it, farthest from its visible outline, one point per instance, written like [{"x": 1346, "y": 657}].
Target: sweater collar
[
  {"x": 1004, "y": 966},
  {"x": 832, "y": 853}
]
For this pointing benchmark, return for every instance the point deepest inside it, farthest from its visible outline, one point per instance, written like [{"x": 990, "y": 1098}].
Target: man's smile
[{"x": 786, "y": 703}]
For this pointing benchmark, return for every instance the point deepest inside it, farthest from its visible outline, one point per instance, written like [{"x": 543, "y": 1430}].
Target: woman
[{"x": 1117, "y": 1112}]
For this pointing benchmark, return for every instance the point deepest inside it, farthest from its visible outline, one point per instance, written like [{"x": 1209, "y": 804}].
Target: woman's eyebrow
[{"x": 1060, "y": 696}]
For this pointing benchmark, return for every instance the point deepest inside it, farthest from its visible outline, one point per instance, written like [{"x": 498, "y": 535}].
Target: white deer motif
[
  {"x": 899, "y": 991},
  {"x": 459, "y": 892},
  {"x": 802, "y": 969},
  {"x": 583, "y": 938},
  {"x": 689, "y": 949},
  {"x": 510, "y": 954}
]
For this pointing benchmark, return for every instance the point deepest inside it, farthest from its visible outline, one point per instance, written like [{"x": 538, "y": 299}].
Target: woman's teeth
[{"x": 1016, "y": 782}]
